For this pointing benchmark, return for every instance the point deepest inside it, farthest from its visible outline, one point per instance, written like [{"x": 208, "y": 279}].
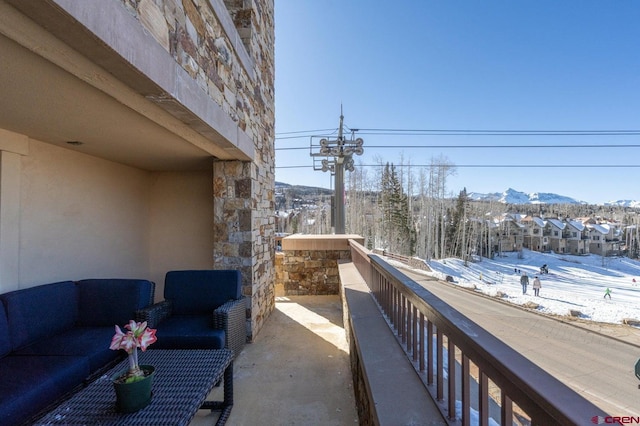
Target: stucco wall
[
  {"x": 181, "y": 223},
  {"x": 81, "y": 217}
]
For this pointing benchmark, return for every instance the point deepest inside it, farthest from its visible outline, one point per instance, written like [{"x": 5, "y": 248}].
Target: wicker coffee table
[{"x": 182, "y": 382}]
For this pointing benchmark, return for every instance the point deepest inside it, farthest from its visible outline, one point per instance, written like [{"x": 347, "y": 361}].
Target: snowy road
[{"x": 595, "y": 366}]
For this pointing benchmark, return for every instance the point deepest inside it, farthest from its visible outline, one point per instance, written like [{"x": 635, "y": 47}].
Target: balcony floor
[{"x": 296, "y": 372}]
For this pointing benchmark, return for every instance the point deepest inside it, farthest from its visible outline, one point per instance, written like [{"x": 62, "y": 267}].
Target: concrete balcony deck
[{"x": 296, "y": 372}]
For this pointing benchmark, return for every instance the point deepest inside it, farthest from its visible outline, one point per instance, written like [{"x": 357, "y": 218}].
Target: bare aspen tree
[{"x": 422, "y": 220}]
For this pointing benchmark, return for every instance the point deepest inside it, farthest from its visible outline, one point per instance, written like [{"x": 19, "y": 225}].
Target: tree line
[{"x": 412, "y": 212}]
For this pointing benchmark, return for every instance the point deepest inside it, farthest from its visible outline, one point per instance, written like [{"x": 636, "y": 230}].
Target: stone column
[{"x": 244, "y": 235}]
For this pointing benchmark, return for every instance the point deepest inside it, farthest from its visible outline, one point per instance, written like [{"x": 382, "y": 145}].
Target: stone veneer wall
[
  {"x": 360, "y": 390},
  {"x": 279, "y": 274},
  {"x": 312, "y": 272},
  {"x": 244, "y": 235},
  {"x": 310, "y": 263},
  {"x": 227, "y": 47}
]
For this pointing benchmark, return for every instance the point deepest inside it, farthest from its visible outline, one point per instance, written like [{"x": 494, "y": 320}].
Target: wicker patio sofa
[{"x": 55, "y": 337}]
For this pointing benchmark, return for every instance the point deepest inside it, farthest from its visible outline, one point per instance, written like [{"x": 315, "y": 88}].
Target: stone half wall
[{"x": 309, "y": 264}]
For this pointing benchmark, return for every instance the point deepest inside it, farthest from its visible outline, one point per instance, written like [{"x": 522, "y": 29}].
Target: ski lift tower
[{"x": 336, "y": 156}]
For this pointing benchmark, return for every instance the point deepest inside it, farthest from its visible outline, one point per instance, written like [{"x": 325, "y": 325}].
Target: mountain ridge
[{"x": 510, "y": 196}]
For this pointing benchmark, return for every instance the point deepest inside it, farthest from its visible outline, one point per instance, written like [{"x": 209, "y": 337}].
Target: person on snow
[
  {"x": 524, "y": 280},
  {"x": 536, "y": 286},
  {"x": 607, "y": 292}
]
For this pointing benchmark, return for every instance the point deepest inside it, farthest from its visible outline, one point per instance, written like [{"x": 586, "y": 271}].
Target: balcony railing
[{"x": 440, "y": 341}]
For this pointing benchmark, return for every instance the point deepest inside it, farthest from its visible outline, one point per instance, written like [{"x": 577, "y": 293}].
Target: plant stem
[{"x": 134, "y": 368}]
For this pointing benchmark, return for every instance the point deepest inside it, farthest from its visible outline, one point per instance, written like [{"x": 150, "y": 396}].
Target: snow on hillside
[
  {"x": 573, "y": 282},
  {"x": 511, "y": 196},
  {"x": 623, "y": 203}
]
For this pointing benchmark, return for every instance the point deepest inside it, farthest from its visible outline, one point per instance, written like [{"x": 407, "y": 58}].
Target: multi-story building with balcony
[
  {"x": 576, "y": 237},
  {"x": 605, "y": 238},
  {"x": 535, "y": 236},
  {"x": 554, "y": 228}
]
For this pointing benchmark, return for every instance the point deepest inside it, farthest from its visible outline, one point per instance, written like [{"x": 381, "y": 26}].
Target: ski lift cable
[
  {"x": 482, "y": 146},
  {"x": 529, "y": 166}
]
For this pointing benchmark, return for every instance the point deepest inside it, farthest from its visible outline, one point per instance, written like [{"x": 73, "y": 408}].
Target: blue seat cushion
[
  {"x": 188, "y": 332},
  {"x": 90, "y": 342},
  {"x": 37, "y": 312},
  {"x": 104, "y": 302},
  {"x": 5, "y": 340},
  {"x": 199, "y": 292},
  {"x": 30, "y": 383}
]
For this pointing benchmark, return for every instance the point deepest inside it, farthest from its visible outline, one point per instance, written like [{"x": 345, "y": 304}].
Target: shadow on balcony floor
[{"x": 296, "y": 372}]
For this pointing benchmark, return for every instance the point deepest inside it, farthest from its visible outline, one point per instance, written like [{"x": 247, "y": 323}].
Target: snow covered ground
[{"x": 573, "y": 283}]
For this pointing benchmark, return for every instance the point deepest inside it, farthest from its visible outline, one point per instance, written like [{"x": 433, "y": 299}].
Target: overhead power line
[
  {"x": 507, "y": 132},
  {"x": 468, "y": 132},
  {"x": 478, "y": 132},
  {"x": 481, "y": 146},
  {"x": 529, "y": 166},
  {"x": 306, "y": 131}
]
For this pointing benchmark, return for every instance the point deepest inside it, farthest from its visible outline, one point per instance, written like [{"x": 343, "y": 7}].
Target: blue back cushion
[
  {"x": 5, "y": 341},
  {"x": 200, "y": 292},
  {"x": 107, "y": 302},
  {"x": 40, "y": 311}
]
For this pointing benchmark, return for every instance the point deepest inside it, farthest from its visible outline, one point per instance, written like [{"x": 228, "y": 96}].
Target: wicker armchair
[{"x": 203, "y": 309}]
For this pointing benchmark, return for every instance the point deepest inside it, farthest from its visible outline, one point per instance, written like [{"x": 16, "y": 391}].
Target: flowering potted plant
[{"x": 133, "y": 387}]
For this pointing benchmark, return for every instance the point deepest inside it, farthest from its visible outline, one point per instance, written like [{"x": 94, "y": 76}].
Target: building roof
[
  {"x": 601, "y": 228},
  {"x": 557, "y": 223},
  {"x": 576, "y": 224},
  {"x": 538, "y": 221}
]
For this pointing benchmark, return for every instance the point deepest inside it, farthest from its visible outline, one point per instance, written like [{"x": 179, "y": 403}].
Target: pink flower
[
  {"x": 142, "y": 335},
  {"x": 137, "y": 328},
  {"x": 124, "y": 341},
  {"x": 147, "y": 338}
]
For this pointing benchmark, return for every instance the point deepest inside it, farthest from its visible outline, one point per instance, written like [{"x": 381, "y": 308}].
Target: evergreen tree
[
  {"x": 397, "y": 219},
  {"x": 457, "y": 226},
  {"x": 385, "y": 203}
]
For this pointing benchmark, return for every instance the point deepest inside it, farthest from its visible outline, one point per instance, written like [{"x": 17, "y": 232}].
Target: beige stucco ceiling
[
  {"x": 45, "y": 102},
  {"x": 69, "y": 74}
]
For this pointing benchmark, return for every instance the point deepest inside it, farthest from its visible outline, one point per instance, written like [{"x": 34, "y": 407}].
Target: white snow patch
[{"x": 575, "y": 283}]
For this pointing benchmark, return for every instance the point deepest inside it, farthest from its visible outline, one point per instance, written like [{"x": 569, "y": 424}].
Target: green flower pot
[{"x": 131, "y": 397}]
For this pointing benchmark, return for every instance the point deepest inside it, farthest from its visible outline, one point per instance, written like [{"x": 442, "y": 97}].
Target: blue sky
[{"x": 571, "y": 65}]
